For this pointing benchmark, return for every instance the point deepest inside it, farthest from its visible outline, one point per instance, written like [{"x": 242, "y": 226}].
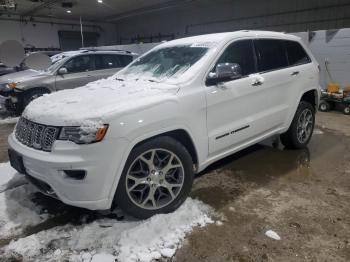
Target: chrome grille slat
[{"x": 35, "y": 135}]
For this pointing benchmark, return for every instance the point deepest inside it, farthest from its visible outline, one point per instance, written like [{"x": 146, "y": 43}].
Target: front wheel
[
  {"x": 157, "y": 178},
  {"x": 301, "y": 129}
]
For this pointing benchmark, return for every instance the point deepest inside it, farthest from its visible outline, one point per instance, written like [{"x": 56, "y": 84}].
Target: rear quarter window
[{"x": 296, "y": 53}]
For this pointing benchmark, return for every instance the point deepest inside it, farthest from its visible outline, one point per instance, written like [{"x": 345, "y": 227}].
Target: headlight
[
  {"x": 12, "y": 85},
  {"x": 83, "y": 135}
]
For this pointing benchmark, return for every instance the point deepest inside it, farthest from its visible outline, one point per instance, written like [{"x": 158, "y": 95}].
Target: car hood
[
  {"x": 22, "y": 76},
  {"x": 99, "y": 101}
]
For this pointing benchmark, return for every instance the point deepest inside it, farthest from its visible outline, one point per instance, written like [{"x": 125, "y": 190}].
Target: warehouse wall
[
  {"x": 207, "y": 16},
  {"x": 43, "y": 34},
  {"x": 332, "y": 47}
]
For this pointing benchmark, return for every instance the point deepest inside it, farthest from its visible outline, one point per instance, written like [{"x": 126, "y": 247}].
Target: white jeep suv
[{"x": 136, "y": 139}]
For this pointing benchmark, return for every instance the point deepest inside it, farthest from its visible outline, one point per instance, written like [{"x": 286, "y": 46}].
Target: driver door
[{"x": 79, "y": 73}]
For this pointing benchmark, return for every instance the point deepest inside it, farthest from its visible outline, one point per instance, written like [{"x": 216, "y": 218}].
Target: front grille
[{"x": 35, "y": 135}]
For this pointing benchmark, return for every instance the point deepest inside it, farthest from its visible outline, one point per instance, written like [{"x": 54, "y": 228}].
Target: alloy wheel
[
  {"x": 305, "y": 126},
  {"x": 155, "y": 179}
]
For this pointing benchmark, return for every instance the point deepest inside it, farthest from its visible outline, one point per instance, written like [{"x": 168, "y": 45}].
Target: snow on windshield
[{"x": 164, "y": 63}]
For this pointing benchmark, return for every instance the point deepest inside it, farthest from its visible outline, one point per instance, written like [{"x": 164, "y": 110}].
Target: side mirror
[
  {"x": 226, "y": 72},
  {"x": 62, "y": 71}
]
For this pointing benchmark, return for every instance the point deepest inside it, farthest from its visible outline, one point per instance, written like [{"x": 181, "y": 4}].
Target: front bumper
[{"x": 101, "y": 161}]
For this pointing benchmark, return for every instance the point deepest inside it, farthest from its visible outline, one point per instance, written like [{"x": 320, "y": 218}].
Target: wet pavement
[{"x": 303, "y": 195}]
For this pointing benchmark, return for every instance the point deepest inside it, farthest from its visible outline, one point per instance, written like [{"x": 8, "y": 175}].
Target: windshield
[
  {"x": 164, "y": 63},
  {"x": 55, "y": 63}
]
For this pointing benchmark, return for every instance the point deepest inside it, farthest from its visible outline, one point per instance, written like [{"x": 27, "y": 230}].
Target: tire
[
  {"x": 30, "y": 95},
  {"x": 134, "y": 197},
  {"x": 324, "y": 106},
  {"x": 300, "y": 133},
  {"x": 346, "y": 110}
]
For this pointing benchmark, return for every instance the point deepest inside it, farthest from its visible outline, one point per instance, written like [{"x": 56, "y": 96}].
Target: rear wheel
[
  {"x": 157, "y": 178},
  {"x": 346, "y": 110},
  {"x": 301, "y": 129},
  {"x": 324, "y": 106}
]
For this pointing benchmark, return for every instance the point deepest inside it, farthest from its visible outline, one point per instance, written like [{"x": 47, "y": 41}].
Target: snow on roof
[{"x": 62, "y": 55}]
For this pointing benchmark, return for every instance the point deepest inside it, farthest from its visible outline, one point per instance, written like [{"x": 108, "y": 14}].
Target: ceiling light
[
  {"x": 69, "y": 11},
  {"x": 100, "y": 1}
]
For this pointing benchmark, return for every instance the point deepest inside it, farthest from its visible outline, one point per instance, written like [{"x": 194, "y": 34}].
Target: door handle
[{"x": 295, "y": 73}]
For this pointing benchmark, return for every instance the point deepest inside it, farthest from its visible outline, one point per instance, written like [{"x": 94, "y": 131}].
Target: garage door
[{"x": 71, "y": 40}]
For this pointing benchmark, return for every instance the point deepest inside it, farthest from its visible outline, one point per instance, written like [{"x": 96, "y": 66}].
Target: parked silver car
[{"x": 68, "y": 70}]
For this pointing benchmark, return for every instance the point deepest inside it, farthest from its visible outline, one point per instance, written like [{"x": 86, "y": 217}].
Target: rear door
[
  {"x": 302, "y": 72},
  {"x": 79, "y": 72},
  {"x": 278, "y": 78}
]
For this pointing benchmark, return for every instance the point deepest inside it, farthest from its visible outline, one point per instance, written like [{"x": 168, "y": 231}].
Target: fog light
[{"x": 75, "y": 174}]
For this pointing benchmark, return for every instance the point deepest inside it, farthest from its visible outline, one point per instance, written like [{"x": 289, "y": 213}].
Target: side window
[
  {"x": 124, "y": 60},
  {"x": 271, "y": 54},
  {"x": 106, "y": 62},
  {"x": 79, "y": 64},
  {"x": 240, "y": 52},
  {"x": 296, "y": 53}
]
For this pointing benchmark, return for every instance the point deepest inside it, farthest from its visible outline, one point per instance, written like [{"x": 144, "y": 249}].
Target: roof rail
[{"x": 103, "y": 49}]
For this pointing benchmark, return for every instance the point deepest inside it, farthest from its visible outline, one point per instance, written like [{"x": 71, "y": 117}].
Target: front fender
[{"x": 131, "y": 144}]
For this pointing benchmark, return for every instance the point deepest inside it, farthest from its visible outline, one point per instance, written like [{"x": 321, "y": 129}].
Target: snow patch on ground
[
  {"x": 9, "y": 120},
  {"x": 6, "y": 173},
  {"x": 272, "y": 234},
  {"x": 318, "y": 132},
  {"x": 17, "y": 211},
  {"x": 103, "y": 258},
  {"x": 128, "y": 241}
]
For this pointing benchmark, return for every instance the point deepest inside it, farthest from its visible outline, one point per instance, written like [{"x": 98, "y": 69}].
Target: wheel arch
[
  {"x": 311, "y": 96},
  {"x": 180, "y": 134},
  {"x": 44, "y": 88}
]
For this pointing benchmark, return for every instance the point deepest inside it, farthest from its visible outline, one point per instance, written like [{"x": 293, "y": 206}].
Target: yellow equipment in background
[
  {"x": 334, "y": 95},
  {"x": 333, "y": 88}
]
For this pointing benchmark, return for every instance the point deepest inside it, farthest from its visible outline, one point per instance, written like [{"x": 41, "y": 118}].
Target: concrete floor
[{"x": 303, "y": 195}]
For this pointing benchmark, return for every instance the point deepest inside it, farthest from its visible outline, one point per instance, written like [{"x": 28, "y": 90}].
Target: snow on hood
[
  {"x": 21, "y": 76},
  {"x": 97, "y": 101}
]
